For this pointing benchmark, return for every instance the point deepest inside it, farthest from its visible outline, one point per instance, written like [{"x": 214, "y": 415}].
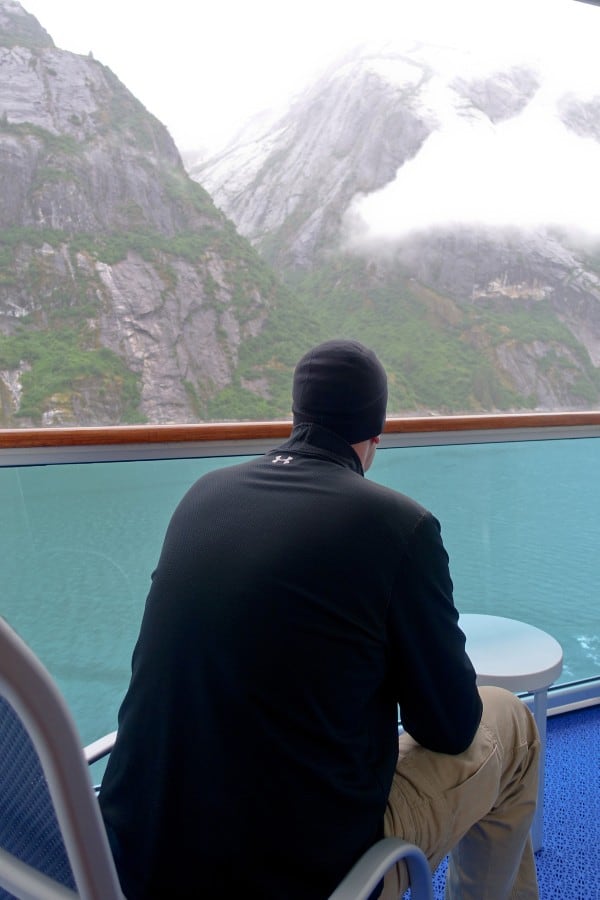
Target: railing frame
[{"x": 44, "y": 446}]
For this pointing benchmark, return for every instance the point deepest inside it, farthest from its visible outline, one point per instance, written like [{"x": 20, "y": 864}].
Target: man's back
[{"x": 259, "y": 735}]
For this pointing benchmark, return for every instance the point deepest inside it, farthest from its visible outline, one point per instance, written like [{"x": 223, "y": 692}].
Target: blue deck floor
[{"x": 569, "y": 864}]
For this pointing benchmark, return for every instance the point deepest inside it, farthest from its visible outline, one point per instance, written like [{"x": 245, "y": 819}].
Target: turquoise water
[{"x": 521, "y": 522}]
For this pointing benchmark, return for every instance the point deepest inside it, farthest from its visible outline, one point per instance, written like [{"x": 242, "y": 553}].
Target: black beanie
[{"x": 342, "y": 386}]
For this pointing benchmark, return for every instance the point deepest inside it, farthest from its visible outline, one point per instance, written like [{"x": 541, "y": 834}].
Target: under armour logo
[{"x": 280, "y": 459}]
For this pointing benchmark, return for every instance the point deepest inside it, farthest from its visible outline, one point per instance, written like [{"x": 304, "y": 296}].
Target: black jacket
[{"x": 295, "y": 604}]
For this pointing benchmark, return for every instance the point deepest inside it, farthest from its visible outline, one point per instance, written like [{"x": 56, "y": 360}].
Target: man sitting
[{"x": 294, "y": 607}]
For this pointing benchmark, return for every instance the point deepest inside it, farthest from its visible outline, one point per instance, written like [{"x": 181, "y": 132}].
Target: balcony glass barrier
[{"x": 520, "y": 520}]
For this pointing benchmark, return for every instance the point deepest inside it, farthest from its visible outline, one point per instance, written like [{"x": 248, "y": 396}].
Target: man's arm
[{"x": 435, "y": 682}]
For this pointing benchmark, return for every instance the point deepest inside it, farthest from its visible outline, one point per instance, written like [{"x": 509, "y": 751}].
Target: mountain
[
  {"x": 125, "y": 295},
  {"x": 413, "y": 197},
  {"x": 131, "y": 292}
]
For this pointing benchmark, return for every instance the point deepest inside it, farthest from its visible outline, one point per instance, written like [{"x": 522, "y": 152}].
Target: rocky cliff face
[
  {"x": 288, "y": 189},
  {"x": 525, "y": 300},
  {"x": 124, "y": 293}
]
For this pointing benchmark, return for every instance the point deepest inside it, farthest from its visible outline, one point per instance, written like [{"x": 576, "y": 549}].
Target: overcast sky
[{"x": 204, "y": 68}]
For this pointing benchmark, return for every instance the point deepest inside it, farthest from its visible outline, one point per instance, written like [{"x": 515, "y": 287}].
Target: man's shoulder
[
  {"x": 388, "y": 496},
  {"x": 216, "y": 483},
  {"x": 391, "y": 510},
  {"x": 230, "y": 472}
]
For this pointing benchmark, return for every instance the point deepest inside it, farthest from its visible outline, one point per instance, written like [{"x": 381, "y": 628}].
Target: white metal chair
[
  {"x": 364, "y": 877},
  {"x": 53, "y": 845}
]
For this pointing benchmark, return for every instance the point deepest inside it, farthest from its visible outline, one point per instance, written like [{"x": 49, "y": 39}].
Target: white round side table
[{"x": 523, "y": 659}]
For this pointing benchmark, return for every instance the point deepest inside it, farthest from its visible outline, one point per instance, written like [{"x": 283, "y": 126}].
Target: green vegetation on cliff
[
  {"x": 59, "y": 368},
  {"x": 440, "y": 356}
]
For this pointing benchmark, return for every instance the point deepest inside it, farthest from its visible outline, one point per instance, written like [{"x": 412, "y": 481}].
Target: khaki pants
[{"x": 477, "y": 806}]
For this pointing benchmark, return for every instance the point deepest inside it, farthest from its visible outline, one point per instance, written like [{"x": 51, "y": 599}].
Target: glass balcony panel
[
  {"x": 521, "y": 523},
  {"x": 520, "y": 520},
  {"x": 79, "y": 545}
]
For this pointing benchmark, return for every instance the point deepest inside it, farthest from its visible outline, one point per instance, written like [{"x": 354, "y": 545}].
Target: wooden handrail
[
  {"x": 141, "y": 434},
  {"x": 236, "y": 431},
  {"x": 492, "y": 422}
]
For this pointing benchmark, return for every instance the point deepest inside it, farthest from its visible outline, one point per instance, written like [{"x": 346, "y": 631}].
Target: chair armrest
[
  {"x": 102, "y": 747},
  {"x": 364, "y": 877}
]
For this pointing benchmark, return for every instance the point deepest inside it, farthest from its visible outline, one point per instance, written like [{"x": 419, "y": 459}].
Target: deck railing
[{"x": 69, "y": 444}]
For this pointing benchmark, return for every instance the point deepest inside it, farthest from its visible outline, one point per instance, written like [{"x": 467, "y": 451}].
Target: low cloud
[{"x": 528, "y": 172}]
